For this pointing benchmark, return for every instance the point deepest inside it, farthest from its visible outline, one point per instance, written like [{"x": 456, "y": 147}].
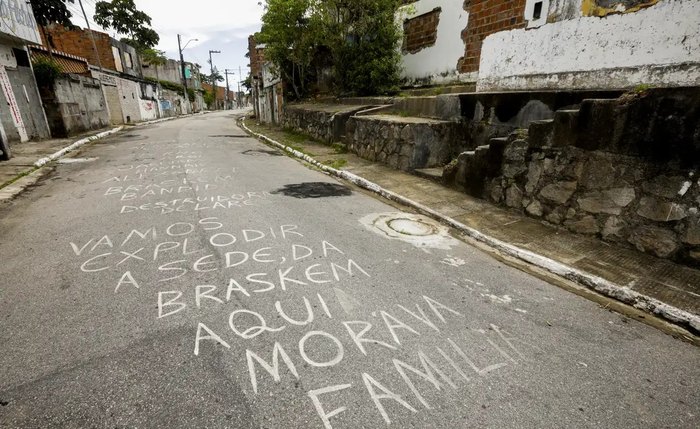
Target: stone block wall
[
  {"x": 637, "y": 185},
  {"x": 404, "y": 143},
  {"x": 325, "y": 123}
]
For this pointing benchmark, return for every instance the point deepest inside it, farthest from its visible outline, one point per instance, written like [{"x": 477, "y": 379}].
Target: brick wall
[
  {"x": 420, "y": 32},
  {"x": 77, "y": 42},
  {"x": 485, "y": 18},
  {"x": 257, "y": 57}
]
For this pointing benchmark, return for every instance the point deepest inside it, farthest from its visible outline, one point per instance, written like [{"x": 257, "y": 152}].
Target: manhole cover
[
  {"x": 411, "y": 227},
  {"x": 417, "y": 230}
]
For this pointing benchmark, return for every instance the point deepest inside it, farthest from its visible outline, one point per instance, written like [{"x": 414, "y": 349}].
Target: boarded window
[{"x": 117, "y": 54}]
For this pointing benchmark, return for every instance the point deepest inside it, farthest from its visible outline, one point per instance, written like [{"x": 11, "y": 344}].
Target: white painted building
[
  {"x": 436, "y": 61},
  {"x": 21, "y": 113},
  {"x": 593, "y": 44}
]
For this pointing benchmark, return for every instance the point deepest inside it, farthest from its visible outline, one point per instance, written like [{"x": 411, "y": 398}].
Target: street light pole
[
  {"x": 182, "y": 66},
  {"x": 227, "y": 91},
  {"x": 213, "y": 80}
]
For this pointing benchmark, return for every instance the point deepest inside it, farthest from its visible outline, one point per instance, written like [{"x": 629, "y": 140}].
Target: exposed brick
[
  {"x": 487, "y": 17},
  {"x": 421, "y": 32}
]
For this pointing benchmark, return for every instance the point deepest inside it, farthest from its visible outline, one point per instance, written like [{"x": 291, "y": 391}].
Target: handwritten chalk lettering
[
  {"x": 392, "y": 323},
  {"x": 427, "y": 374},
  {"x": 272, "y": 369},
  {"x": 371, "y": 384},
  {"x": 172, "y": 302},
  {"x": 340, "y": 351},
  {"x": 186, "y": 205},
  {"x": 204, "y": 291},
  {"x": 359, "y": 337},
  {"x": 254, "y": 330},
  {"x": 309, "y": 314},
  {"x": 130, "y": 196},
  {"x": 171, "y": 266},
  {"x": 210, "y": 336},
  {"x": 327, "y": 416},
  {"x": 151, "y": 234},
  {"x": 127, "y": 279}
]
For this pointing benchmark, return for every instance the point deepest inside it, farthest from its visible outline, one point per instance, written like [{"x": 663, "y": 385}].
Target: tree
[
  {"x": 359, "y": 39},
  {"x": 123, "y": 17},
  {"x": 289, "y": 41},
  {"x": 47, "y": 12},
  {"x": 155, "y": 58},
  {"x": 363, "y": 36},
  {"x": 213, "y": 78}
]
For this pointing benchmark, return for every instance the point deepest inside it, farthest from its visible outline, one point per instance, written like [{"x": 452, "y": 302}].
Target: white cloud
[{"x": 222, "y": 25}]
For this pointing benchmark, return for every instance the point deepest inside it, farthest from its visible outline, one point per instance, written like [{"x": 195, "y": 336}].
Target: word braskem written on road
[{"x": 290, "y": 306}]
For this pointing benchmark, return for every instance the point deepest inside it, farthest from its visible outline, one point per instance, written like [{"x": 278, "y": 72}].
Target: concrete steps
[{"x": 434, "y": 174}]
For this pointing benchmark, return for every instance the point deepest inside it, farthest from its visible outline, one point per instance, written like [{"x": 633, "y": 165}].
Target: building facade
[
  {"x": 21, "y": 114},
  {"x": 551, "y": 44}
]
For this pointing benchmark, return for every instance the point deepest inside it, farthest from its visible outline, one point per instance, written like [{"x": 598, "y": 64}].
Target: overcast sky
[{"x": 221, "y": 25}]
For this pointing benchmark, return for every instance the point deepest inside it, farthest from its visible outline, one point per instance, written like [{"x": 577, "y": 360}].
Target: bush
[{"x": 46, "y": 71}]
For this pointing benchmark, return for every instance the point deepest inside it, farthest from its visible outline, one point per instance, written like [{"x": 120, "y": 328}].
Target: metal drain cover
[
  {"x": 411, "y": 227},
  {"x": 417, "y": 230}
]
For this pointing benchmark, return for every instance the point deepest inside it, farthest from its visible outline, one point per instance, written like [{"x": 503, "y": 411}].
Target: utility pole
[
  {"x": 182, "y": 67},
  {"x": 213, "y": 80},
  {"x": 228, "y": 72},
  {"x": 238, "y": 96},
  {"x": 182, "y": 70},
  {"x": 92, "y": 36},
  {"x": 227, "y": 91}
]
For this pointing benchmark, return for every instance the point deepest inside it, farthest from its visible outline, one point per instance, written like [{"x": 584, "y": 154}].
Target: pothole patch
[
  {"x": 415, "y": 229},
  {"x": 313, "y": 190}
]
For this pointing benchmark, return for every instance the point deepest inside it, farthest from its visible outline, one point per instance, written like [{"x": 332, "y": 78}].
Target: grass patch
[
  {"x": 295, "y": 136},
  {"x": 336, "y": 163},
  {"x": 19, "y": 176},
  {"x": 339, "y": 148}
]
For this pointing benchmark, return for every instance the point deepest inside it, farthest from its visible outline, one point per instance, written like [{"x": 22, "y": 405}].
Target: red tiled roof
[{"x": 68, "y": 63}]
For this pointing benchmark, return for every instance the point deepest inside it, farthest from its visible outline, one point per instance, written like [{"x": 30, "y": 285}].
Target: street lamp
[
  {"x": 182, "y": 65},
  {"x": 213, "y": 81}
]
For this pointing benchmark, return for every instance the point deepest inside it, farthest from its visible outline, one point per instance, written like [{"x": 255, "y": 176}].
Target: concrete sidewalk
[{"x": 624, "y": 271}]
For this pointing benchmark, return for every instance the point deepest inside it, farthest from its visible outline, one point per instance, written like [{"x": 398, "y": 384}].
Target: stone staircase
[{"x": 472, "y": 169}]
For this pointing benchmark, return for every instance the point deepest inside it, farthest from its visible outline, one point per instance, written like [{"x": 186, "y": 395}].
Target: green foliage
[
  {"x": 247, "y": 83},
  {"x": 154, "y": 57},
  {"x": 358, "y": 38},
  {"x": 210, "y": 79},
  {"x": 46, "y": 72},
  {"x": 209, "y": 98},
  {"x": 336, "y": 163},
  {"x": 51, "y": 12},
  {"x": 123, "y": 17}
]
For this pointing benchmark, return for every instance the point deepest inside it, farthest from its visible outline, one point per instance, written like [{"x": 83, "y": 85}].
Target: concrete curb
[
  {"x": 685, "y": 319},
  {"x": 74, "y": 146}
]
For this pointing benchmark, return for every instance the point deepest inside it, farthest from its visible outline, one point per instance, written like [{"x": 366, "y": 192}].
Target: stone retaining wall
[
  {"x": 624, "y": 190},
  {"x": 404, "y": 143},
  {"x": 325, "y": 123}
]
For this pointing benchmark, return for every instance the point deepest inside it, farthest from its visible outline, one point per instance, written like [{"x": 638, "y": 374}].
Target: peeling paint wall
[
  {"x": 436, "y": 63},
  {"x": 657, "y": 45}
]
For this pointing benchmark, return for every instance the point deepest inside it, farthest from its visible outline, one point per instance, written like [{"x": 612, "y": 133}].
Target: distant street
[{"x": 184, "y": 275}]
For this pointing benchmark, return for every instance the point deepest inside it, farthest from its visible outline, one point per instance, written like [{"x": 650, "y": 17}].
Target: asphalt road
[{"x": 185, "y": 275}]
